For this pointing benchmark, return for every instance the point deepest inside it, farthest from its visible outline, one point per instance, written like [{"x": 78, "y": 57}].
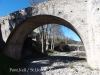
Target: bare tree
[
  {"x": 55, "y": 32},
  {"x": 42, "y": 29},
  {"x": 49, "y": 31}
]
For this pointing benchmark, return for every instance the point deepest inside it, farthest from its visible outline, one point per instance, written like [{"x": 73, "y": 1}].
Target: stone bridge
[
  {"x": 82, "y": 16},
  {"x": 78, "y": 46}
]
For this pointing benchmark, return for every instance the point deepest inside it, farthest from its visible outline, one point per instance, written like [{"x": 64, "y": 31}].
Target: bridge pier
[
  {"x": 13, "y": 51},
  {"x": 93, "y": 19},
  {"x": 78, "y": 48}
]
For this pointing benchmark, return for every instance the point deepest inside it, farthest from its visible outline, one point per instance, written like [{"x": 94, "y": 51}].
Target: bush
[
  {"x": 73, "y": 48},
  {"x": 31, "y": 49},
  {"x": 49, "y": 52},
  {"x": 62, "y": 47},
  {"x": 60, "y": 42}
]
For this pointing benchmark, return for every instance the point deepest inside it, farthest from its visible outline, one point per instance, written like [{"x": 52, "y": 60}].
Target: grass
[
  {"x": 6, "y": 63},
  {"x": 72, "y": 67},
  {"x": 67, "y": 52},
  {"x": 49, "y": 52},
  {"x": 89, "y": 68}
]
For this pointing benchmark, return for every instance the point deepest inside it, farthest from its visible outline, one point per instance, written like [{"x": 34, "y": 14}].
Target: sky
[
  {"x": 69, "y": 33},
  {"x": 9, "y": 6}
]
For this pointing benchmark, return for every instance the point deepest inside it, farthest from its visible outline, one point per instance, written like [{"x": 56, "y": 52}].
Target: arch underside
[{"x": 16, "y": 39}]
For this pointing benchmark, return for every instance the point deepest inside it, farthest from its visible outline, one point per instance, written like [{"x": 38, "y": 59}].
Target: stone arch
[
  {"x": 73, "y": 11},
  {"x": 61, "y": 9},
  {"x": 16, "y": 39},
  {"x": 75, "y": 17}
]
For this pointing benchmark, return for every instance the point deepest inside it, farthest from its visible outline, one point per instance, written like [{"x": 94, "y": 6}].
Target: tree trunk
[
  {"x": 47, "y": 37},
  {"x": 43, "y": 41}
]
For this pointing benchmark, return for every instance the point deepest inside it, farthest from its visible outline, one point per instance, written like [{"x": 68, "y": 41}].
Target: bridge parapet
[{"x": 75, "y": 45}]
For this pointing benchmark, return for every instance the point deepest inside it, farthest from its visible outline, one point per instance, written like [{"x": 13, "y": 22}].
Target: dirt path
[{"x": 58, "y": 64}]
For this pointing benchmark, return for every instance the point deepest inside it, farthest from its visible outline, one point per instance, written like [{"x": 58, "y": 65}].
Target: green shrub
[
  {"x": 49, "y": 52},
  {"x": 72, "y": 67},
  {"x": 60, "y": 42},
  {"x": 89, "y": 68}
]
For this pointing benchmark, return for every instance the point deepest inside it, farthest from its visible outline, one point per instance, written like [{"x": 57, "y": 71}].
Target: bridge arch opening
[{"x": 18, "y": 35}]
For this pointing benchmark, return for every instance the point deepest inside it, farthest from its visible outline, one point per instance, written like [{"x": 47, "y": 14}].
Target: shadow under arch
[{"x": 18, "y": 35}]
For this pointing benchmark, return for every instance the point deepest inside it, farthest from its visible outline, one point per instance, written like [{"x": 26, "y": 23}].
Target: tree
[
  {"x": 55, "y": 32},
  {"x": 41, "y": 29},
  {"x": 49, "y": 31},
  {"x": 70, "y": 41}
]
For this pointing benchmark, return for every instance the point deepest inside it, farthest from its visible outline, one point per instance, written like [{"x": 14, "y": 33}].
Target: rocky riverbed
[{"x": 59, "y": 64}]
